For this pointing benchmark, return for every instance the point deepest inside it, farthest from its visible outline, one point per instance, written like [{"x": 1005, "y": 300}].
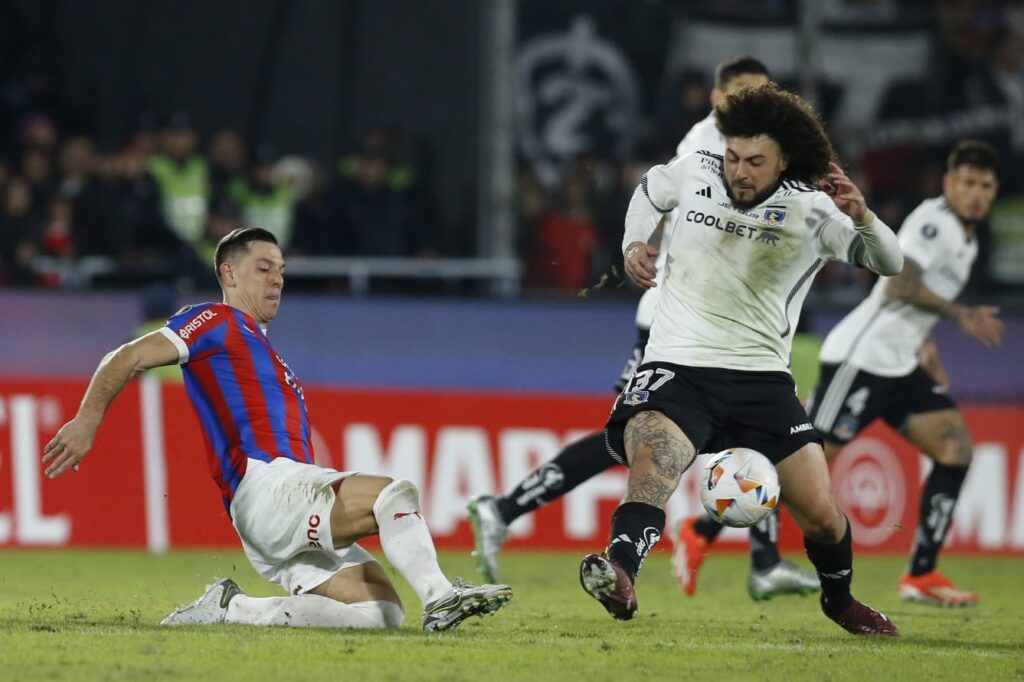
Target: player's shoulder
[
  {"x": 932, "y": 220},
  {"x": 797, "y": 188},
  {"x": 702, "y": 161},
  {"x": 205, "y": 312}
]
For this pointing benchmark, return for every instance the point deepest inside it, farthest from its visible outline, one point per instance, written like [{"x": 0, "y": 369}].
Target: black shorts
[
  {"x": 847, "y": 399},
  {"x": 717, "y": 407},
  {"x": 635, "y": 357}
]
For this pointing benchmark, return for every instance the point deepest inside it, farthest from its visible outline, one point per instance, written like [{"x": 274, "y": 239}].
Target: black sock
[
  {"x": 636, "y": 528},
  {"x": 708, "y": 527},
  {"x": 578, "y": 462},
  {"x": 834, "y": 564},
  {"x": 764, "y": 542},
  {"x": 938, "y": 499}
]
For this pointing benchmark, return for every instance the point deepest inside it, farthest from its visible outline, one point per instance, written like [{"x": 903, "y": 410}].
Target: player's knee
[
  {"x": 398, "y": 492},
  {"x": 957, "y": 449}
]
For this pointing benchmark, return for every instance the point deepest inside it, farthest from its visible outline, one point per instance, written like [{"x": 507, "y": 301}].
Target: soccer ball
[{"x": 739, "y": 487}]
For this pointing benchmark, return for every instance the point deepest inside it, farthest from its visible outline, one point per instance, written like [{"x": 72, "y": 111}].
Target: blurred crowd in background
[
  {"x": 158, "y": 204},
  {"x": 154, "y": 204}
]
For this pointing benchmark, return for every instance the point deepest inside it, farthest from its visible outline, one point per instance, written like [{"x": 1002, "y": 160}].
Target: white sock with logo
[
  {"x": 313, "y": 611},
  {"x": 406, "y": 540}
]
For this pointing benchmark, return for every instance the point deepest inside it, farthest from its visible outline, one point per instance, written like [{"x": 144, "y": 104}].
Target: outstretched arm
[
  {"x": 981, "y": 322},
  {"x": 116, "y": 369},
  {"x": 877, "y": 247}
]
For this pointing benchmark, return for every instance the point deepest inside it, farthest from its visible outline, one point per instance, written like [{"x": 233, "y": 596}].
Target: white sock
[
  {"x": 313, "y": 611},
  {"x": 406, "y": 540}
]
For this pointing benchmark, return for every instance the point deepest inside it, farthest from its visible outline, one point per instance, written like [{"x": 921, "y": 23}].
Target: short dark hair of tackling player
[
  {"x": 739, "y": 66},
  {"x": 787, "y": 119},
  {"x": 237, "y": 241},
  {"x": 974, "y": 153}
]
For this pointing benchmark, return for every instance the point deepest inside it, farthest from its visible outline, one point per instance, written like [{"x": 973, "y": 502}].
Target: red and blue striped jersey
[{"x": 248, "y": 400}]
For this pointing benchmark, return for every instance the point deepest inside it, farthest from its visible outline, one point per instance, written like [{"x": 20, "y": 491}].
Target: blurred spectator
[
  {"x": 144, "y": 238},
  {"x": 265, "y": 202},
  {"x": 182, "y": 177},
  {"x": 374, "y": 207},
  {"x": 90, "y": 200},
  {"x": 18, "y": 224},
  {"x": 687, "y": 105},
  {"x": 312, "y": 206},
  {"x": 228, "y": 157},
  {"x": 563, "y": 245},
  {"x": 37, "y": 170},
  {"x": 225, "y": 216}
]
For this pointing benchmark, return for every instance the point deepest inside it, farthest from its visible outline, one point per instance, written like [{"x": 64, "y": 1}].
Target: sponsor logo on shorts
[
  {"x": 800, "y": 428},
  {"x": 402, "y": 515},
  {"x": 634, "y": 398},
  {"x": 312, "y": 534},
  {"x": 197, "y": 322},
  {"x": 846, "y": 428}
]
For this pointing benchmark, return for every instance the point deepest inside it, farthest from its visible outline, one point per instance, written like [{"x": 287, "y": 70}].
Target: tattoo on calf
[
  {"x": 669, "y": 454},
  {"x": 649, "y": 489}
]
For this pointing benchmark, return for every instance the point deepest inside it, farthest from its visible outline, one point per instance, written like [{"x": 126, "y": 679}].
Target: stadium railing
[{"x": 504, "y": 275}]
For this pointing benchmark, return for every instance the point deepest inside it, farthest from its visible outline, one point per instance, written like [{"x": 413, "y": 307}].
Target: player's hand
[
  {"x": 639, "y": 262},
  {"x": 845, "y": 195},
  {"x": 982, "y": 322},
  {"x": 68, "y": 447}
]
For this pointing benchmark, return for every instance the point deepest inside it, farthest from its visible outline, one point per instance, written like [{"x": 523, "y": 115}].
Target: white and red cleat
[{"x": 934, "y": 588}]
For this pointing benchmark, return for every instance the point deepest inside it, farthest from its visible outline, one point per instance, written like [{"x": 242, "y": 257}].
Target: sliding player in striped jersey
[
  {"x": 298, "y": 522},
  {"x": 879, "y": 361}
]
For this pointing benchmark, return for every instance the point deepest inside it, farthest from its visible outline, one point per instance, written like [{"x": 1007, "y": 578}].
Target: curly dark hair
[{"x": 787, "y": 119}]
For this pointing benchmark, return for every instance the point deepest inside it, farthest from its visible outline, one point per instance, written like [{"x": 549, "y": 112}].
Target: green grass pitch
[{"x": 92, "y": 615}]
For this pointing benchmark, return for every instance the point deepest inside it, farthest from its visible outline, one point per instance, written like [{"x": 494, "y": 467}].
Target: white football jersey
[
  {"x": 735, "y": 279},
  {"x": 883, "y": 335},
  {"x": 703, "y": 136}
]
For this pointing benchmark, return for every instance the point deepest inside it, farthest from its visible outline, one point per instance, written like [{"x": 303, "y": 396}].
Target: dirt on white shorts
[{"x": 282, "y": 512}]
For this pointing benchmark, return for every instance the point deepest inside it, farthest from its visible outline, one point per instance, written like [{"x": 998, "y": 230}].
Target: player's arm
[
  {"x": 981, "y": 322},
  {"x": 928, "y": 358},
  {"x": 875, "y": 246},
  {"x": 653, "y": 198},
  {"x": 115, "y": 370}
]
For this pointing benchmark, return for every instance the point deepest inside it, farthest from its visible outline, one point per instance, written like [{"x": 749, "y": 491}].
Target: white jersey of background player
[
  {"x": 883, "y": 335},
  {"x": 703, "y": 136}
]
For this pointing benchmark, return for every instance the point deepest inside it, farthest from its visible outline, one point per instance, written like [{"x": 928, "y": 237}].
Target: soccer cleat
[
  {"x": 489, "y": 531},
  {"x": 782, "y": 578},
  {"x": 209, "y": 609},
  {"x": 605, "y": 581},
  {"x": 861, "y": 619},
  {"x": 688, "y": 551},
  {"x": 464, "y": 601},
  {"x": 934, "y": 588}
]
